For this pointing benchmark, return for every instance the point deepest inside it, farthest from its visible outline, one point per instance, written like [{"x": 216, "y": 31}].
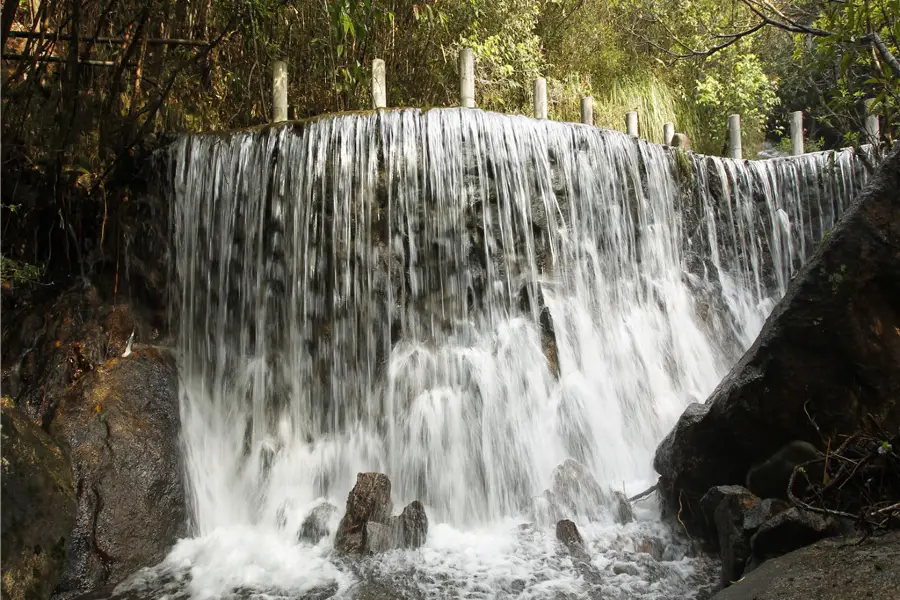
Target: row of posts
[{"x": 467, "y": 99}]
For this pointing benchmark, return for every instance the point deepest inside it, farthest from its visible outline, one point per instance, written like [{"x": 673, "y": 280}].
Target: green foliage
[{"x": 13, "y": 272}]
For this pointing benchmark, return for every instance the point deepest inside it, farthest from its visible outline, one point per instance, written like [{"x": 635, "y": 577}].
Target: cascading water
[{"x": 461, "y": 300}]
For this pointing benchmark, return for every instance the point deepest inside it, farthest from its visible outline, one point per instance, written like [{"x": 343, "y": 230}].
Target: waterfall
[{"x": 462, "y": 300}]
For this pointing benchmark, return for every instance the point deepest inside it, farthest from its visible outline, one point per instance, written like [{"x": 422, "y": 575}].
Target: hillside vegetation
[{"x": 89, "y": 84}]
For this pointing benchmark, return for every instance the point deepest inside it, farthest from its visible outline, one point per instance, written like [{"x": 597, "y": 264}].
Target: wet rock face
[
  {"x": 120, "y": 426},
  {"x": 368, "y": 527},
  {"x": 37, "y": 506},
  {"x": 829, "y": 352}
]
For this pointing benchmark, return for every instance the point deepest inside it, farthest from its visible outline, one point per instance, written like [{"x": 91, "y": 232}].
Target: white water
[{"x": 366, "y": 293}]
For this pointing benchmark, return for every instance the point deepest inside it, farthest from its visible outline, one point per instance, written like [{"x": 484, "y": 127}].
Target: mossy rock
[{"x": 38, "y": 508}]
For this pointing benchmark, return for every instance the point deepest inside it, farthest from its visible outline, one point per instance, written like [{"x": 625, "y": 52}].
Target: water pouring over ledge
[{"x": 461, "y": 300}]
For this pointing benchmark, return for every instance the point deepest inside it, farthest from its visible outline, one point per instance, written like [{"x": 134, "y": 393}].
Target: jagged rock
[
  {"x": 832, "y": 569},
  {"x": 37, "y": 506},
  {"x": 567, "y": 533},
  {"x": 789, "y": 530},
  {"x": 828, "y": 352},
  {"x": 577, "y": 490},
  {"x": 316, "y": 524},
  {"x": 369, "y": 500},
  {"x": 120, "y": 426},
  {"x": 622, "y": 512},
  {"x": 412, "y": 526}
]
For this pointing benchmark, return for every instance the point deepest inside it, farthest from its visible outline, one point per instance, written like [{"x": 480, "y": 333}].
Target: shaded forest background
[{"x": 89, "y": 86}]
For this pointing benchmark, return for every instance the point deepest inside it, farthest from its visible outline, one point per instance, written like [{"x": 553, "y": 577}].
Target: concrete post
[
  {"x": 540, "y": 98},
  {"x": 668, "y": 133},
  {"x": 797, "y": 133},
  {"x": 734, "y": 136},
  {"x": 379, "y": 84},
  {"x": 467, "y": 77},
  {"x": 279, "y": 91},
  {"x": 631, "y": 123},
  {"x": 587, "y": 110},
  {"x": 873, "y": 129}
]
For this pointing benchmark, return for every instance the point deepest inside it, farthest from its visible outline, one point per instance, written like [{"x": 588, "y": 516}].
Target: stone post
[
  {"x": 587, "y": 110},
  {"x": 734, "y": 136},
  {"x": 668, "y": 133},
  {"x": 540, "y": 98},
  {"x": 467, "y": 77},
  {"x": 279, "y": 91},
  {"x": 631, "y": 123},
  {"x": 797, "y": 133},
  {"x": 873, "y": 129},
  {"x": 379, "y": 84}
]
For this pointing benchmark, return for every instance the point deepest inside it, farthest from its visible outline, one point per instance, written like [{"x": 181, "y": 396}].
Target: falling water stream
[{"x": 461, "y": 300}]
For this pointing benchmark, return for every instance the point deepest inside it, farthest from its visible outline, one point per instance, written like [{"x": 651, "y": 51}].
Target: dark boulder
[
  {"x": 832, "y": 569},
  {"x": 789, "y": 530},
  {"x": 120, "y": 426},
  {"x": 577, "y": 491},
  {"x": 828, "y": 353},
  {"x": 37, "y": 506},
  {"x": 369, "y": 500},
  {"x": 412, "y": 526},
  {"x": 731, "y": 516},
  {"x": 316, "y": 525},
  {"x": 754, "y": 512}
]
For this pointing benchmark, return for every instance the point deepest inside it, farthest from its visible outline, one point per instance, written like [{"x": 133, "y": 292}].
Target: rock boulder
[
  {"x": 120, "y": 426},
  {"x": 829, "y": 352},
  {"x": 412, "y": 526},
  {"x": 369, "y": 500},
  {"x": 37, "y": 506},
  {"x": 368, "y": 527}
]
